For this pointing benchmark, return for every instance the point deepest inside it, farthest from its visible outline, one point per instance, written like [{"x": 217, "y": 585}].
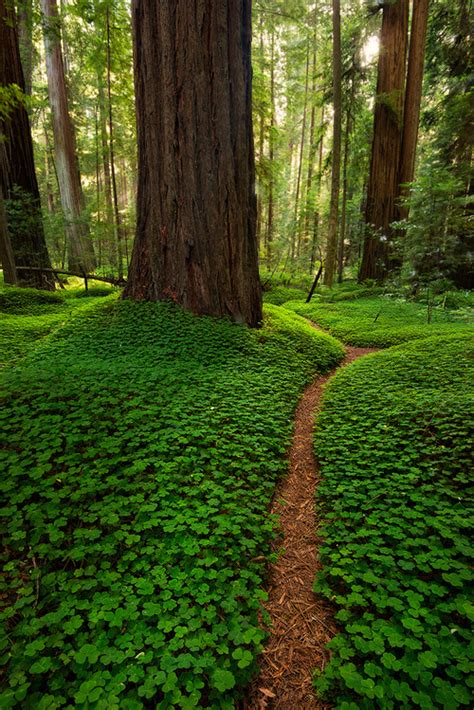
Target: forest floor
[{"x": 302, "y": 623}]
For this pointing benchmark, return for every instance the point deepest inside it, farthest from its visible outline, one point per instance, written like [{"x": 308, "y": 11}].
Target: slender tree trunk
[
  {"x": 25, "y": 38},
  {"x": 118, "y": 219},
  {"x": 271, "y": 150},
  {"x": 261, "y": 142},
  {"x": 347, "y": 138},
  {"x": 79, "y": 242},
  {"x": 314, "y": 241},
  {"x": 195, "y": 242},
  {"x": 312, "y": 130},
  {"x": 18, "y": 184},
  {"x": 336, "y": 146},
  {"x": 342, "y": 236},
  {"x": 411, "y": 113},
  {"x": 383, "y": 178},
  {"x": 300, "y": 161}
]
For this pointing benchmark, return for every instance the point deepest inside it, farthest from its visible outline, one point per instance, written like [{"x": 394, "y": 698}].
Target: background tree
[
  {"x": 336, "y": 147},
  {"x": 196, "y": 240},
  {"x": 388, "y": 120},
  {"x": 21, "y": 228},
  {"x": 80, "y": 249}
]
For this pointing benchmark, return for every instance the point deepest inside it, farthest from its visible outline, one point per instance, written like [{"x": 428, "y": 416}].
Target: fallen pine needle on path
[{"x": 301, "y": 622}]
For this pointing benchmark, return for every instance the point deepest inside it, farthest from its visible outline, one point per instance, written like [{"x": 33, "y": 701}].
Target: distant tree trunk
[
  {"x": 411, "y": 113},
  {"x": 79, "y": 242},
  {"x": 18, "y": 184},
  {"x": 25, "y": 38},
  {"x": 383, "y": 178},
  {"x": 342, "y": 236},
  {"x": 300, "y": 161},
  {"x": 312, "y": 130},
  {"x": 261, "y": 143},
  {"x": 314, "y": 240},
  {"x": 118, "y": 219},
  {"x": 331, "y": 249},
  {"x": 271, "y": 150},
  {"x": 195, "y": 242}
]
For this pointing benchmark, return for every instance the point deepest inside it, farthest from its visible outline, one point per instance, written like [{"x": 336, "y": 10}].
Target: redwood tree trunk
[
  {"x": 79, "y": 243},
  {"x": 388, "y": 117},
  {"x": 331, "y": 248},
  {"x": 195, "y": 240},
  {"x": 24, "y": 242},
  {"x": 411, "y": 113}
]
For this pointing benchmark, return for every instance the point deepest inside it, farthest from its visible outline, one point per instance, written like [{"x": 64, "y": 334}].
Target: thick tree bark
[
  {"x": 388, "y": 120},
  {"x": 79, "y": 242},
  {"x": 331, "y": 248},
  {"x": 18, "y": 184},
  {"x": 195, "y": 242},
  {"x": 411, "y": 113}
]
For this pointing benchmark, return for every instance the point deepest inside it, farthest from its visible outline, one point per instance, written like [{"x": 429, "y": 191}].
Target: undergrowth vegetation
[
  {"x": 382, "y": 321},
  {"x": 27, "y": 315},
  {"x": 142, "y": 447},
  {"x": 393, "y": 441}
]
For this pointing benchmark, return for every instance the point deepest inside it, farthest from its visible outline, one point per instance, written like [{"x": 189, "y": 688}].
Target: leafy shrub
[
  {"x": 393, "y": 442},
  {"x": 381, "y": 322},
  {"x": 142, "y": 447}
]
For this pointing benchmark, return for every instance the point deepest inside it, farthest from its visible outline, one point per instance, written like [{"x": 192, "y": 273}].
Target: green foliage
[
  {"x": 393, "y": 442},
  {"x": 27, "y": 315},
  {"x": 282, "y": 294},
  {"x": 383, "y": 322},
  {"x": 142, "y": 450},
  {"x": 29, "y": 301}
]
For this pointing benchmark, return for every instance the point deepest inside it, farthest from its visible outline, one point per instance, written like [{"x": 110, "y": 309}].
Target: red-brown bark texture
[
  {"x": 388, "y": 121},
  {"x": 196, "y": 208},
  {"x": 22, "y": 242}
]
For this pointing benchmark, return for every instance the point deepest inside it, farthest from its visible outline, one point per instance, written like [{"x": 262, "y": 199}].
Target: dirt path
[{"x": 302, "y": 623}]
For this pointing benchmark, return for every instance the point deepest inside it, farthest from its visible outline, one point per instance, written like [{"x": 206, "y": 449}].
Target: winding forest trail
[{"x": 301, "y": 622}]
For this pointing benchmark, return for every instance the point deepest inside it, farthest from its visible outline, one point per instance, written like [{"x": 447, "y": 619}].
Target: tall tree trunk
[
  {"x": 79, "y": 242},
  {"x": 411, "y": 113},
  {"x": 383, "y": 177},
  {"x": 342, "y": 236},
  {"x": 271, "y": 150},
  {"x": 331, "y": 248},
  {"x": 118, "y": 219},
  {"x": 18, "y": 184},
  {"x": 261, "y": 143},
  {"x": 195, "y": 242},
  {"x": 314, "y": 240},
  {"x": 312, "y": 130},
  {"x": 300, "y": 161},
  {"x": 25, "y": 38}
]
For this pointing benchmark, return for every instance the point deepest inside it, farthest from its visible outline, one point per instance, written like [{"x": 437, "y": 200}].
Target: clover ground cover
[
  {"x": 394, "y": 447},
  {"x": 382, "y": 321},
  {"x": 142, "y": 446}
]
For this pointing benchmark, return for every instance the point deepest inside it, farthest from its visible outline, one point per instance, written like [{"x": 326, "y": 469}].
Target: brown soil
[{"x": 301, "y": 622}]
